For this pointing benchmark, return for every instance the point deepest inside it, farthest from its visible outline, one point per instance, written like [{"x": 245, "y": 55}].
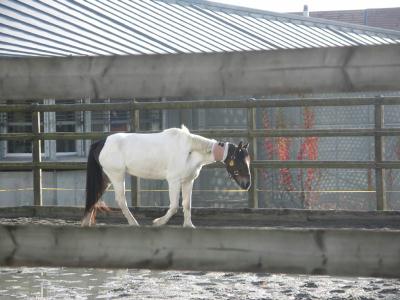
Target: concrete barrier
[{"x": 344, "y": 252}]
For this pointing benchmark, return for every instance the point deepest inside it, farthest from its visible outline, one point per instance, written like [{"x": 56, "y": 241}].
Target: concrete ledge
[
  {"x": 344, "y": 252},
  {"x": 242, "y": 217}
]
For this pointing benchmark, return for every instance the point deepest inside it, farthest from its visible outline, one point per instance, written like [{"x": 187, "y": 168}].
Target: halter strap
[
  {"x": 226, "y": 148},
  {"x": 230, "y": 153}
]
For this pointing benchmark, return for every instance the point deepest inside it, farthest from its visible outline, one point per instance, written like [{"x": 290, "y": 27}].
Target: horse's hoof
[
  {"x": 189, "y": 225},
  {"x": 133, "y": 223},
  {"x": 158, "y": 222}
]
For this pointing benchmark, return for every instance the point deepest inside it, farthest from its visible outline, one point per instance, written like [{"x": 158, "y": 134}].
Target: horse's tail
[{"x": 96, "y": 182}]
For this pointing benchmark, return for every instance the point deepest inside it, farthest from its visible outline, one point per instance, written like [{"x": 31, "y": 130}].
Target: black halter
[{"x": 230, "y": 160}]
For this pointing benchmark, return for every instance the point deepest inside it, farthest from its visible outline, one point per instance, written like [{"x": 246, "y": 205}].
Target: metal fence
[{"x": 251, "y": 133}]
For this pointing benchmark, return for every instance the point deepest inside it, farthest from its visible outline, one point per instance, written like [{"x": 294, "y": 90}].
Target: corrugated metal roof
[{"x": 120, "y": 27}]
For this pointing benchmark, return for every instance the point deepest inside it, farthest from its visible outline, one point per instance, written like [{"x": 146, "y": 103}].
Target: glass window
[
  {"x": 20, "y": 122},
  {"x": 119, "y": 120},
  {"x": 66, "y": 122}
]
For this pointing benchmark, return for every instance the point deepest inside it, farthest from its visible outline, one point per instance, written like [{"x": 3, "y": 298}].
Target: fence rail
[
  {"x": 215, "y": 133},
  {"x": 197, "y": 104},
  {"x": 251, "y": 133}
]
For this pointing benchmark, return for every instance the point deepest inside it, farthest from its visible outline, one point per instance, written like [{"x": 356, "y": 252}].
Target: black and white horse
[{"x": 173, "y": 154}]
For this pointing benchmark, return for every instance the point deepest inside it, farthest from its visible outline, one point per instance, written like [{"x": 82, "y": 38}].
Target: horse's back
[{"x": 143, "y": 155}]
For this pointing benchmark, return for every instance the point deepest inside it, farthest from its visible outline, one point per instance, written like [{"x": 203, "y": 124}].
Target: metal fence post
[
  {"x": 381, "y": 203},
  {"x": 87, "y": 125},
  {"x": 135, "y": 181},
  {"x": 36, "y": 157},
  {"x": 252, "y": 125}
]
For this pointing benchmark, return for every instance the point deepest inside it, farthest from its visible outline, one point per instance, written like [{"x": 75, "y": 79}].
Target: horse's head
[{"x": 238, "y": 164}]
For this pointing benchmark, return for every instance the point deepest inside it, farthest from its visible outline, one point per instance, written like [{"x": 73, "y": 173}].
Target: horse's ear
[
  {"x": 246, "y": 146},
  {"x": 240, "y": 145}
]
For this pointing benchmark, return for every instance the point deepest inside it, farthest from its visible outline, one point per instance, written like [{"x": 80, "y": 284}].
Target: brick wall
[{"x": 385, "y": 17}]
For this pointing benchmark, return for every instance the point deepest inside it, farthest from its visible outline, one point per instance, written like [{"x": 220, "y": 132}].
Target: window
[
  {"x": 66, "y": 122},
  {"x": 19, "y": 122}
]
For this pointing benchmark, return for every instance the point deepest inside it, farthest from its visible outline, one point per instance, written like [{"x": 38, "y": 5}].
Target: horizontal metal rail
[
  {"x": 252, "y": 103},
  {"x": 345, "y": 132},
  {"x": 273, "y": 164}
]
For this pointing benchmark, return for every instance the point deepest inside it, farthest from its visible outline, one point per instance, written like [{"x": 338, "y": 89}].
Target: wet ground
[{"x": 68, "y": 283}]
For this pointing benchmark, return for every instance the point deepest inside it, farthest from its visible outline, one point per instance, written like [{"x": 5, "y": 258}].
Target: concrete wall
[
  {"x": 257, "y": 240},
  {"x": 347, "y": 252},
  {"x": 345, "y": 69}
]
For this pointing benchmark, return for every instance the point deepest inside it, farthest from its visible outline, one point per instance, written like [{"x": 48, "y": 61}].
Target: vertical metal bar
[
  {"x": 251, "y": 125},
  {"x": 135, "y": 181},
  {"x": 107, "y": 118},
  {"x": 3, "y": 129},
  {"x": 36, "y": 157},
  {"x": 381, "y": 203},
  {"x": 79, "y": 127},
  {"x": 49, "y": 125},
  {"x": 87, "y": 124}
]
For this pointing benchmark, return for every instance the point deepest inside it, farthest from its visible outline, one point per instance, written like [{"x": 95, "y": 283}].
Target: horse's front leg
[
  {"x": 187, "y": 188},
  {"x": 118, "y": 182},
  {"x": 174, "y": 187}
]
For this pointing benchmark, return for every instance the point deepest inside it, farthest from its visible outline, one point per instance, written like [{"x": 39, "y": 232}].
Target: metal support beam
[
  {"x": 87, "y": 125},
  {"x": 36, "y": 159},
  {"x": 79, "y": 129},
  {"x": 49, "y": 126},
  {"x": 252, "y": 125},
  {"x": 379, "y": 157},
  {"x": 135, "y": 181},
  {"x": 3, "y": 131}
]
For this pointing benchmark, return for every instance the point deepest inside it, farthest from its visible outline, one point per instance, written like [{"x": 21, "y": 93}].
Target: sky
[{"x": 313, "y": 5}]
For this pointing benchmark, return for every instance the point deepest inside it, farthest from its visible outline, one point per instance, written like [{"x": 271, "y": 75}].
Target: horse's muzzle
[
  {"x": 246, "y": 186},
  {"x": 243, "y": 182}
]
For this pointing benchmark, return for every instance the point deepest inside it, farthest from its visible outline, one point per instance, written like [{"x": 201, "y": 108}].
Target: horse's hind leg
[
  {"x": 118, "y": 182},
  {"x": 174, "y": 189}
]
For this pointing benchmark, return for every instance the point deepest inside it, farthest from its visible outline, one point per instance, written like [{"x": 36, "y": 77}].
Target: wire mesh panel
[
  {"x": 16, "y": 189},
  {"x": 317, "y": 189}
]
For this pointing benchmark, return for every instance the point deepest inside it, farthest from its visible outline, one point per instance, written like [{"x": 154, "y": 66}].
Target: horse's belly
[
  {"x": 145, "y": 169},
  {"x": 147, "y": 174}
]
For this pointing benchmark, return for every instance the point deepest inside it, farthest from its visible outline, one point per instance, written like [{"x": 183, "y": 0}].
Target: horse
[{"x": 174, "y": 154}]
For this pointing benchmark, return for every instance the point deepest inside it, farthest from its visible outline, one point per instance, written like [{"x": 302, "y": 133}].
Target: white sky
[{"x": 313, "y": 5}]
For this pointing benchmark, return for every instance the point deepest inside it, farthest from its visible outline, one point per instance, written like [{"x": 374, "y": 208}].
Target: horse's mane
[{"x": 199, "y": 143}]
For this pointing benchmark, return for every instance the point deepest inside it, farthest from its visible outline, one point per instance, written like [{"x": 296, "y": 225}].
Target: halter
[{"x": 230, "y": 161}]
